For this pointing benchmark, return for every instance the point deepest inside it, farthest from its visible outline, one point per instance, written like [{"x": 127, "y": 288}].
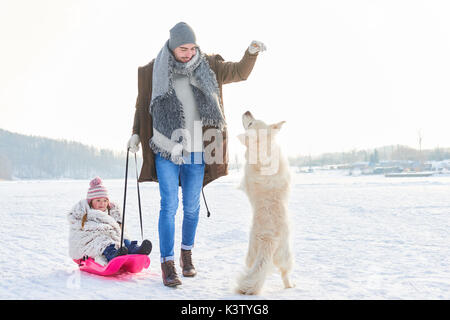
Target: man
[{"x": 180, "y": 121}]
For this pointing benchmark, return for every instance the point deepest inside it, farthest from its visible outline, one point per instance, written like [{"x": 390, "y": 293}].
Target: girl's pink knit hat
[{"x": 96, "y": 190}]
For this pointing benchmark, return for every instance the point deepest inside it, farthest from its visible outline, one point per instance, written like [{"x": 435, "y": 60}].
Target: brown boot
[
  {"x": 186, "y": 263},
  {"x": 169, "y": 274}
]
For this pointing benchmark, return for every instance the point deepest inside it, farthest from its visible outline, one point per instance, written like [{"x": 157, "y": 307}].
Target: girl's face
[{"x": 100, "y": 204}]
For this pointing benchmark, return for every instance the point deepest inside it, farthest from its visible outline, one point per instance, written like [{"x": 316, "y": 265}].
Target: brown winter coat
[{"x": 226, "y": 72}]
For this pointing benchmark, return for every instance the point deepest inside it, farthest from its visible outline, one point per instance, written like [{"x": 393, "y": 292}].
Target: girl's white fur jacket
[{"x": 91, "y": 231}]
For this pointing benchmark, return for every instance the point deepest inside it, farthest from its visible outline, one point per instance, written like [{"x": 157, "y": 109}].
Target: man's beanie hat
[
  {"x": 180, "y": 34},
  {"x": 96, "y": 190}
]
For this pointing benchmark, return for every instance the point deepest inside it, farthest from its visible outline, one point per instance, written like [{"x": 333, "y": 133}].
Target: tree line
[
  {"x": 31, "y": 157},
  {"x": 386, "y": 153}
]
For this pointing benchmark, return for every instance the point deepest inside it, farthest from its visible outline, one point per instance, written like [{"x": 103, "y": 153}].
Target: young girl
[{"x": 95, "y": 228}]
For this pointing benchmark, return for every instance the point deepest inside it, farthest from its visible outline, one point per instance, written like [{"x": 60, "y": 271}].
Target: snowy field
[{"x": 366, "y": 237}]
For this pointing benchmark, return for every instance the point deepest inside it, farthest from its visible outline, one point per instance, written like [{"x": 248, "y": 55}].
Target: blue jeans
[{"x": 190, "y": 174}]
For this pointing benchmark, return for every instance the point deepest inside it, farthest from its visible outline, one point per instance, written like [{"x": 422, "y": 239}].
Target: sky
[{"x": 344, "y": 75}]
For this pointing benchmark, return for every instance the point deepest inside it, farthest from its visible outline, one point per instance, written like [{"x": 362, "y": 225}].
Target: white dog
[{"x": 266, "y": 182}]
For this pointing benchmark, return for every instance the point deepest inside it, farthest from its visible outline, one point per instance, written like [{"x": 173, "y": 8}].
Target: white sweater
[{"x": 193, "y": 122}]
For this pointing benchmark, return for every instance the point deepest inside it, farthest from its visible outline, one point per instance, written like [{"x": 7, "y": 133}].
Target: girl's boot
[
  {"x": 111, "y": 252},
  {"x": 144, "y": 248}
]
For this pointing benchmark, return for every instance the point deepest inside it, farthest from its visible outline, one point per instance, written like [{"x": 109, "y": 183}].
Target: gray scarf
[{"x": 166, "y": 109}]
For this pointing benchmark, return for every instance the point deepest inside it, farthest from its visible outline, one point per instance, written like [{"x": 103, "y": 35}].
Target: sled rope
[
  {"x": 139, "y": 197},
  {"x": 125, "y": 199}
]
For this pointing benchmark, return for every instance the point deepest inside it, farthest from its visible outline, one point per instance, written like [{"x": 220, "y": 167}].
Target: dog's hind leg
[{"x": 284, "y": 261}]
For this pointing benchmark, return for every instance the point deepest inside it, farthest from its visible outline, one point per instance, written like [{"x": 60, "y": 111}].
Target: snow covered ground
[{"x": 366, "y": 237}]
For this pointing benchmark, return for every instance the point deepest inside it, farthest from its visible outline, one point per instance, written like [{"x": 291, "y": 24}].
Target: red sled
[{"x": 133, "y": 263}]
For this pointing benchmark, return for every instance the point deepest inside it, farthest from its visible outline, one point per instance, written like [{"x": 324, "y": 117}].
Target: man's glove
[
  {"x": 256, "y": 46},
  {"x": 133, "y": 143}
]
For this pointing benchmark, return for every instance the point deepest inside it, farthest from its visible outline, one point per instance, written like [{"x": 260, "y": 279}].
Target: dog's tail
[{"x": 252, "y": 279}]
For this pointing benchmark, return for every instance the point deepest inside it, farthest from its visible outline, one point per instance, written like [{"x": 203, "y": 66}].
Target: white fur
[
  {"x": 99, "y": 231},
  {"x": 268, "y": 193}
]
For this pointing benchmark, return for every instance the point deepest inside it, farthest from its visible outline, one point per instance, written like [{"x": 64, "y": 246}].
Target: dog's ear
[
  {"x": 242, "y": 138},
  {"x": 277, "y": 126}
]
